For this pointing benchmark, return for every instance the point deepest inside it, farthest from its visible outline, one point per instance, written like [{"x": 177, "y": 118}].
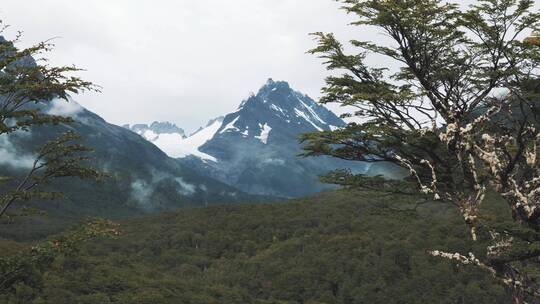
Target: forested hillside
[{"x": 336, "y": 247}]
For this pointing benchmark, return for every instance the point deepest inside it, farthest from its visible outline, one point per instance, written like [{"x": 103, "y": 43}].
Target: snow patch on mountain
[
  {"x": 230, "y": 127},
  {"x": 191, "y": 145},
  {"x": 307, "y": 118},
  {"x": 150, "y": 135},
  {"x": 178, "y": 146},
  {"x": 173, "y": 141},
  {"x": 311, "y": 112},
  {"x": 265, "y": 131}
]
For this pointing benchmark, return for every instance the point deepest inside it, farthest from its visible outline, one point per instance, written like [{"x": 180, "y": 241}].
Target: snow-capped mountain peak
[
  {"x": 278, "y": 109},
  {"x": 255, "y": 148},
  {"x": 276, "y": 114}
]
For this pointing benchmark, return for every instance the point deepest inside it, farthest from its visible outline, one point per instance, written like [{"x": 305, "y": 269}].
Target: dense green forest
[{"x": 335, "y": 247}]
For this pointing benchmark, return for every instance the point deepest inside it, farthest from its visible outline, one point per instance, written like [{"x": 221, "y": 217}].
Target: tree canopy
[{"x": 461, "y": 114}]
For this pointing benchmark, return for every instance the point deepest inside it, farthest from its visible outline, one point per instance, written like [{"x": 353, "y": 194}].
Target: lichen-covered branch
[{"x": 462, "y": 115}]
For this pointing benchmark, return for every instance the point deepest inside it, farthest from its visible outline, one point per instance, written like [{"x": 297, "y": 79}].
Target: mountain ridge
[
  {"x": 142, "y": 178},
  {"x": 310, "y": 115},
  {"x": 256, "y": 147}
]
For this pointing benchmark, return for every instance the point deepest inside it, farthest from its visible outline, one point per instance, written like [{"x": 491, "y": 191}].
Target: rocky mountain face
[
  {"x": 256, "y": 148},
  {"x": 276, "y": 115}
]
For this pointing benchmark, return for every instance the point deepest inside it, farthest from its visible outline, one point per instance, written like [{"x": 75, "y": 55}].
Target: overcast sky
[{"x": 183, "y": 61}]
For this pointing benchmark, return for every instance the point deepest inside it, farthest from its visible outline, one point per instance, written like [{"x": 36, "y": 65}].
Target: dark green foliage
[
  {"x": 336, "y": 247},
  {"x": 23, "y": 268}
]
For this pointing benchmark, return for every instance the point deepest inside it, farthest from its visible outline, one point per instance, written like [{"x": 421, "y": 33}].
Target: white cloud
[
  {"x": 64, "y": 108},
  {"x": 185, "y": 188},
  {"x": 143, "y": 190},
  {"x": 10, "y": 156}
]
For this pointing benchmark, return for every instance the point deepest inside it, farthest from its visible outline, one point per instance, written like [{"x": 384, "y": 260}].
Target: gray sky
[{"x": 184, "y": 61}]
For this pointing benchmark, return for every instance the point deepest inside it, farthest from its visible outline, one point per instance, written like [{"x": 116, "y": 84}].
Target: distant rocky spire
[{"x": 157, "y": 128}]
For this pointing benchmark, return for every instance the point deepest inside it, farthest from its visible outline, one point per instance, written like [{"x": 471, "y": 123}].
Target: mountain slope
[
  {"x": 143, "y": 178},
  {"x": 256, "y": 148}
]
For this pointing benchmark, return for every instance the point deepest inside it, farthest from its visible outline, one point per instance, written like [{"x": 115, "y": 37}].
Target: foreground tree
[
  {"x": 460, "y": 112},
  {"x": 27, "y": 87}
]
